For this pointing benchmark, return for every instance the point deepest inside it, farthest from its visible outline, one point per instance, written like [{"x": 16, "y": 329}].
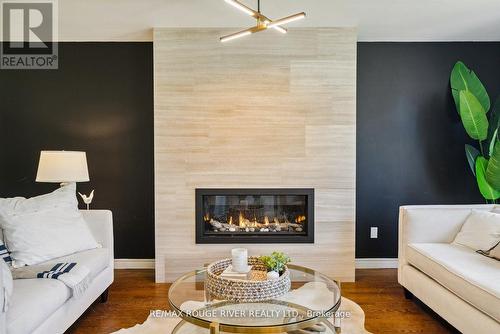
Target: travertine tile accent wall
[{"x": 265, "y": 111}]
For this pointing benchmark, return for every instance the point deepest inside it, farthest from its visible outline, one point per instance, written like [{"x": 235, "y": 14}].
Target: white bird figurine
[{"x": 87, "y": 199}]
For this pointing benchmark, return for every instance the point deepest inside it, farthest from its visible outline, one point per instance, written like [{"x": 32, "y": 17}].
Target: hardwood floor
[{"x": 134, "y": 293}]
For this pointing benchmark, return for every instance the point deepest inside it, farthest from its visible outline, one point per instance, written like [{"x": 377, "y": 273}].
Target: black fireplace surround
[{"x": 283, "y": 215}]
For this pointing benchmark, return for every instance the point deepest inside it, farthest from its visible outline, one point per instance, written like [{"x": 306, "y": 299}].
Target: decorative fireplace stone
[{"x": 255, "y": 215}]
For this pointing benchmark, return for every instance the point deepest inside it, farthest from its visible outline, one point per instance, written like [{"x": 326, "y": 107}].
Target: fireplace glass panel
[{"x": 255, "y": 217}]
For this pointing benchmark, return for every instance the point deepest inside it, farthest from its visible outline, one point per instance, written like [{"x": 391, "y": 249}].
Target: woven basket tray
[{"x": 243, "y": 290}]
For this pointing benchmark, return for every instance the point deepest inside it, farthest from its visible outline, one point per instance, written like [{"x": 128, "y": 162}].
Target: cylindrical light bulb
[
  {"x": 287, "y": 19},
  {"x": 280, "y": 29},
  {"x": 235, "y": 35},
  {"x": 241, "y": 7}
]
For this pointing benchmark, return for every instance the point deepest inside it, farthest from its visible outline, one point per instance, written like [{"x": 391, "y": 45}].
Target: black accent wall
[
  {"x": 409, "y": 136},
  {"x": 100, "y": 100},
  {"x": 410, "y": 140}
]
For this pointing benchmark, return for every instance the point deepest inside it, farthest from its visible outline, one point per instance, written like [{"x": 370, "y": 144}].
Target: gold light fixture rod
[
  {"x": 256, "y": 14},
  {"x": 263, "y": 22}
]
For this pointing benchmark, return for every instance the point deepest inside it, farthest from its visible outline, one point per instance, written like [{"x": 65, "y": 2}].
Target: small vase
[{"x": 273, "y": 275}]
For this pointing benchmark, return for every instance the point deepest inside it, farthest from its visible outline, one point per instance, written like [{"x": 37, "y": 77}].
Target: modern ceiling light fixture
[{"x": 263, "y": 22}]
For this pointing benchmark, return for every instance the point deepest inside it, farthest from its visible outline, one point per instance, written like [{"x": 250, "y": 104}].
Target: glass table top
[{"x": 312, "y": 296}]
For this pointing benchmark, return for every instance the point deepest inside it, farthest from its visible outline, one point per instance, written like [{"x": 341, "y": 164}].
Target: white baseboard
[
  {"x": 134, "y": 263},
  {"x": 376, "y": 263},
  {"x": 368, "y": 263}
]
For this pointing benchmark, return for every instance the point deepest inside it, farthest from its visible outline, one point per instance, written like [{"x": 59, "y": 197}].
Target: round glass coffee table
[{"x": 311, "y": 304}]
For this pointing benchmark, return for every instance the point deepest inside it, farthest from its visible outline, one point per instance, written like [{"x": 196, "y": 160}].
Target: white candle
[{"x": 240, "y": 259}]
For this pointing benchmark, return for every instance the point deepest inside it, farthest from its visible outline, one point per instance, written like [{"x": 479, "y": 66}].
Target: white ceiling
[{"x": 377, "y": 20}]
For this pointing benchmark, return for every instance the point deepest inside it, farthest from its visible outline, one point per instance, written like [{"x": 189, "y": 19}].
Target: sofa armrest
[
  {"x": 2, "y": 303},
  {"x": 430, "y": 223},
  {"x": 3, "y": 325},
  {"x": 6, "y": 286},
  {"x": 100, "y": 223}
]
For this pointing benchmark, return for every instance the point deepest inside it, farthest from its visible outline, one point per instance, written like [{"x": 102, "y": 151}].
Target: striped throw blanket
[
  {"x": 4, "y": 254},
  {"x": 75, "y": 276}
]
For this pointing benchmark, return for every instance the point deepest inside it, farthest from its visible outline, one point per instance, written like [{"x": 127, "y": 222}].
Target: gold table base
[{"x": 215, "y": 327}]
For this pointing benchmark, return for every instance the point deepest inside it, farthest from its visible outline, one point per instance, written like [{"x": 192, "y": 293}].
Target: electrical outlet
[{"x": 373, "y": 232}]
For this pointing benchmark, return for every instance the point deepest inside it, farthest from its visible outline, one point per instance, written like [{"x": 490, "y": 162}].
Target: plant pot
[{"x": 273, "y": 275}]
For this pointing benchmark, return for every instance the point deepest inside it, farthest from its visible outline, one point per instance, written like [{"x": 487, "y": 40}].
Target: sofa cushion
[
  {"x": 96, "y": 260},
  {"x": 469, "y": 275},
  {"x": 33, "y": 301}
]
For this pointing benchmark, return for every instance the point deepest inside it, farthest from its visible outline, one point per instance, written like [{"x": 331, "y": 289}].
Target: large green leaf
[
  {"x": 486, "y": 190},
  {"x": 473, "y": 116},
  {"x": 493, "y": 170},
  {"x": 463, "y": 78},
  {"x": 494, "y": 124},
  {"x": 492, "y": 143},
  {"x": 472, "y": 153}
]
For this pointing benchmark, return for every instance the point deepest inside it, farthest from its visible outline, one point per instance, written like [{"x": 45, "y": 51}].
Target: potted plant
[{"x": 275, "y": 264}]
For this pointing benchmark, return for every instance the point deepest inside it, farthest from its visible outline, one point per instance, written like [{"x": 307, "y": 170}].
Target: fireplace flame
[
  {"x": 206, "y": 217},
  {"x": 300, "y": 219},
  {"x": 241, "y": 221},
  {"x": 266, "y": 221}
]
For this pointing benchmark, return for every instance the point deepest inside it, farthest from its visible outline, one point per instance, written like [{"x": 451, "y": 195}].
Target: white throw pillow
[
  {"x": 45, "y": 227},
  {"x": 481, "y": 231},
  {"x": 496, "y": 208},
  {"x": 495, "y": 252}
]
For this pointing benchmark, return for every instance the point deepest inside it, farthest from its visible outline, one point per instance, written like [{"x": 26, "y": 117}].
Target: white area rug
[{"x": 355, "y": 324}]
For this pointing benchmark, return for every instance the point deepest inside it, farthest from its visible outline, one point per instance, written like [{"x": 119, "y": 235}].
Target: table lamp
[{"x": 62, "y": 167}]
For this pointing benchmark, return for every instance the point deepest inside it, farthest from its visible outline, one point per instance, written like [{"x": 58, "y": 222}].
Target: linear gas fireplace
[{"x": 254, "y": 216}]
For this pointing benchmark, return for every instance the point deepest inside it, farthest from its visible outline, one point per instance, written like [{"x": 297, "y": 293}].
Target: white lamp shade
[{"x": 62, "y": 166}]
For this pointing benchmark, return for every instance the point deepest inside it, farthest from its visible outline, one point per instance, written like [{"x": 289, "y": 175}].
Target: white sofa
[
  {"x": 462, "y": 286},
  {"x": 44, "y": 306}
]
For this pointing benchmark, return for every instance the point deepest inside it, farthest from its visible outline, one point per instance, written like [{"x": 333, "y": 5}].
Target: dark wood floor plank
[{"x": 134, "y": 294}]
